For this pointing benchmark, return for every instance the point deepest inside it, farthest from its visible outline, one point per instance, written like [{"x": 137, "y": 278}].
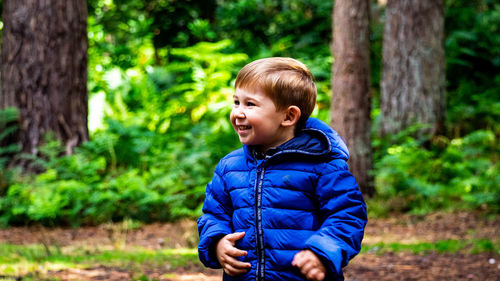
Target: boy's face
[{"x": 256, "y": 120}]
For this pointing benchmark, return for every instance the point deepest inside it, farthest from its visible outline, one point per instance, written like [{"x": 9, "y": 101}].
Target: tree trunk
[
  {"x": 351, "y": 100},
  {"x": 44, "y": 69},
  {"x": 413, "y": 77}
]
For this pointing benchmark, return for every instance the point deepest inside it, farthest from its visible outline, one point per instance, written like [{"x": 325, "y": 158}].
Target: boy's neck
[{"x": 288, "y": 134}]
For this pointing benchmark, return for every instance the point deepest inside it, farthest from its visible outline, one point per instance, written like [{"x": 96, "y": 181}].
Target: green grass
[
  {"x": 474, "y": 246},
  {"x": 16, "y": 260}
]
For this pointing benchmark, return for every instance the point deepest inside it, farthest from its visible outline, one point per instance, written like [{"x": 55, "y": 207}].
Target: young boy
[{"x": 283, "y": 207}]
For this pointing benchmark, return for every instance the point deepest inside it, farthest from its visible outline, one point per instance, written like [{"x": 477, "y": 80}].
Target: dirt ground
[{"x": 367, "y": 266}]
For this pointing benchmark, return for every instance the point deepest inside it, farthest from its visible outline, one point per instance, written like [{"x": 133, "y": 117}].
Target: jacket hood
[{"x": 316, "y": 138}]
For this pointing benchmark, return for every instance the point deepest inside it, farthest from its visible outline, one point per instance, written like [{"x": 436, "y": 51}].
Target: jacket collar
[{"x": 316, "y": 138}]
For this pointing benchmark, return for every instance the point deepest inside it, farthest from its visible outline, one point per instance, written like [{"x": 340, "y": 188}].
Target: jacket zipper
[{"x": 258, "y": 225}]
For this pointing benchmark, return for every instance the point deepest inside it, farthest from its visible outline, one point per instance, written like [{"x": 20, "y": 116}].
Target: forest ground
[{"x": 380, "y": 262}]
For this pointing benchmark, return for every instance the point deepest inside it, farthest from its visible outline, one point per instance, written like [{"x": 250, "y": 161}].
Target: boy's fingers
[
  {"x": 315, "y": 274},
  {"x": 237, "y": 264},
  {"x": 306, "y": 267},
  {"x": 235, "y": 252},
  {"x": 233, "y": 237},
  {"x": 310, "y": 266},
  {"x": 233, "y": 271},
  {"x": 298, "y": 260}
]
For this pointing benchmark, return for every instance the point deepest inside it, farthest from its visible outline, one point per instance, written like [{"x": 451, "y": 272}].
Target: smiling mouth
[{"x": 242, "y": 128}]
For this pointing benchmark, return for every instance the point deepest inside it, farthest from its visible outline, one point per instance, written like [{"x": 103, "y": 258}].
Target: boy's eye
[
  {"x": 250, "y": 104},
  {"x": 236, "y": 102}
]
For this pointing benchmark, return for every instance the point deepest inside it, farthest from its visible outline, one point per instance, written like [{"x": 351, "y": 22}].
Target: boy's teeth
[{"x": 244, "y": 127}]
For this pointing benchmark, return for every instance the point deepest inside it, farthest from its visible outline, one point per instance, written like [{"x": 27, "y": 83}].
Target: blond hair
[{"x": 286, "y": 81}]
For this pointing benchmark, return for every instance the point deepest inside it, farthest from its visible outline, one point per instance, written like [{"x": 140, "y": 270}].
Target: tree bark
[
  {"x": 413, "y": 75},
  {"x": 44, "y": 69},
  {"x": 351, "y": 100}
]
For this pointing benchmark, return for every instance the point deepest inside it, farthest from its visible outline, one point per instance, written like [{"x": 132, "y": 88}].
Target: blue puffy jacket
[{"x": 302, "y": 196}]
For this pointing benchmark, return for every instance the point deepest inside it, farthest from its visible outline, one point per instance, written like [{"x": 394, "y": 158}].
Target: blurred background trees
[
  {"x": 413, "y": 79},
  {"x": 160, "y": 77},
  {"x": 44, "y": 70},
  {"x": 351, "y": 94}
]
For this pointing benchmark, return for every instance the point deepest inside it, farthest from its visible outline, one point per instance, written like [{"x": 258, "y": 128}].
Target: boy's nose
[{"x": 238, "y": 113}]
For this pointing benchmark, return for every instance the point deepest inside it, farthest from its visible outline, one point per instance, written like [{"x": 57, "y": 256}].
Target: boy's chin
[{"x": 246, "y": 142}]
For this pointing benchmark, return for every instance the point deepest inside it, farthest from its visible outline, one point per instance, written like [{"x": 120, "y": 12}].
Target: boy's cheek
[{"x": 232, "y": 118}]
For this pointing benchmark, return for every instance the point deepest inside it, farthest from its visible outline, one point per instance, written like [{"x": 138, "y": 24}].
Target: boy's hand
[
  {"x": 226, "y": 253},
  {"x": 310, "y": 265}
]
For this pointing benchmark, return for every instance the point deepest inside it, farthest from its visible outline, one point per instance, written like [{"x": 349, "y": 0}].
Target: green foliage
[
  {"x": 8, "y": 127},
  {"x": 87, "y": 188},
  {"x": 291, "y": 27},
  {"x": 473, "y": 65},
  {"x": 461, "y": 173}
]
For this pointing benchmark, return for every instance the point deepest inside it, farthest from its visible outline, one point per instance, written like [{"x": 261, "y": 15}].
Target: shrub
[{"x": 464, "y": 173}]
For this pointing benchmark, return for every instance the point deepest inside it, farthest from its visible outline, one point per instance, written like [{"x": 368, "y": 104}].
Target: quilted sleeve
[
  {"x": 343, "y": 212},
  {"x": 215, "y": 221}
]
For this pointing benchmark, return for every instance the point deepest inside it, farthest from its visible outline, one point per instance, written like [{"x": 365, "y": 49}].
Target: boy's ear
[{"x": 292, "y": 116}]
